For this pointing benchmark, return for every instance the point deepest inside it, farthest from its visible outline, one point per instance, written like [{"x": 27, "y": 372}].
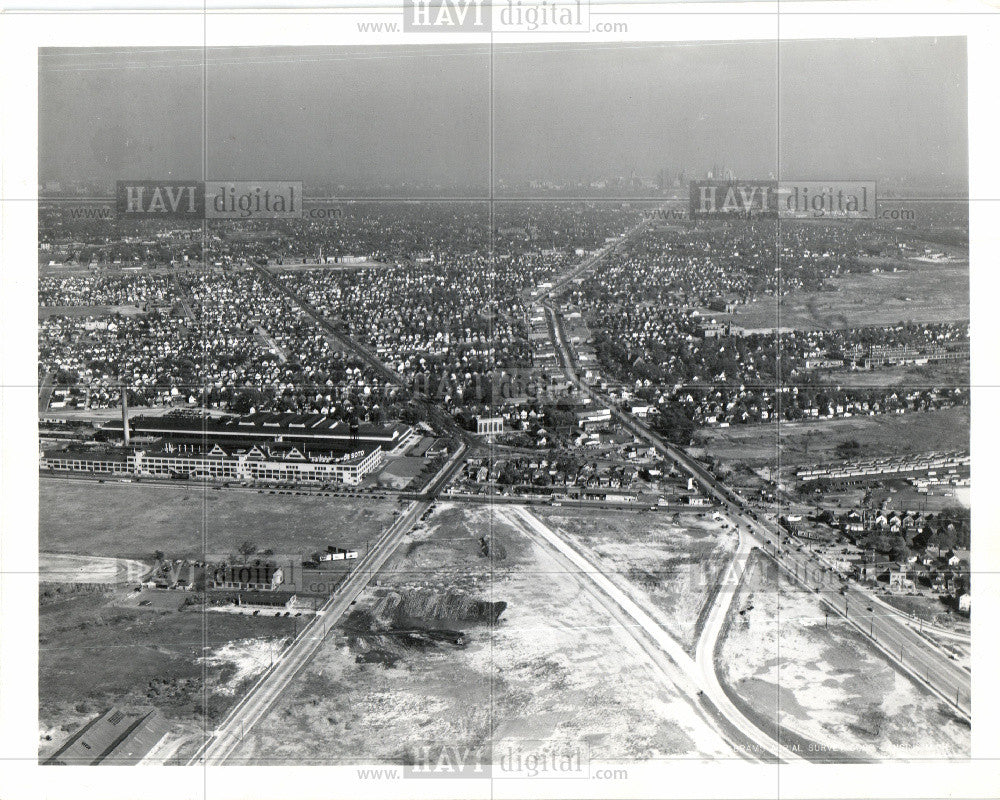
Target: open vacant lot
[
  {"x": 400, "y": 472},
  {"x": 129, "y": 520},
  {"x": 916, "y": 292},
  {"x": 95, "y": 651},
  {"x": 66, "y": 568},
  {"x": 669, "y": 564},
  {"x": 551, "y": 671},
  {"x": 822, "y": 683},
  {"x": 815, "y": 442},
  {"x": 87, "y": 311}
]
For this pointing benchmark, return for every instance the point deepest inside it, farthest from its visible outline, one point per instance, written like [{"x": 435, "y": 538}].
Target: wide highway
[{"x": 923, "y": 661}]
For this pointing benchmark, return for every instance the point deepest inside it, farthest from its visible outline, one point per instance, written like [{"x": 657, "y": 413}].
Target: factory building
[
  {"x": 309, "y": 448},
  {"x": 257, "y": 463}
]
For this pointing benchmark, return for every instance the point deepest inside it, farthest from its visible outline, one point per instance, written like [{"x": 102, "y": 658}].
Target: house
[
  {"x": 899, "y": 577},
  {"x": 965, "y": 603},
  {"x": 177, "y": 574},
  {"x": 870, "y": 571}
]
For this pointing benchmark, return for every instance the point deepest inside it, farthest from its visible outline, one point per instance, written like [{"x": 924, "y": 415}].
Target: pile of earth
[
  {"x": 415, "y": 619},
  {"x": 424, "y": 606}
]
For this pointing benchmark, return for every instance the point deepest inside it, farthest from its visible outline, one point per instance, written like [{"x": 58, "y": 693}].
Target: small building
[
  {"x": 336, "y": 554},
  {"x": 870, "y": 571},
  {"x": 593, "y": 419},
  {"x": 714, "y": 330},
  {"x": 899, "y": 577},
  {"x": 965, "y": 603}
]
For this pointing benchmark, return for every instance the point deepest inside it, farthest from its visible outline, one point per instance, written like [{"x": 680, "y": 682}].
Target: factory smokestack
[{"x": 125, "y": 414}]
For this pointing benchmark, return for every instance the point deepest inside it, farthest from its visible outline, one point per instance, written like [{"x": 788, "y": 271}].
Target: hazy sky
[{"x": 857, "y": 109}]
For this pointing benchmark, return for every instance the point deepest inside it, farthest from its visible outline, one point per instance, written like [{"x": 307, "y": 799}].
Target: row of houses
[
  {"x": 930, "y": 464},
  {"x": 903, "y": 577}
]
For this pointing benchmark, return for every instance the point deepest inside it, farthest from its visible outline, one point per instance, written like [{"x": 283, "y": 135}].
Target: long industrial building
[
  {"x": 265, "y": 447},
  {"x": 257, "y": 463},
  {"x": 315, "y": 430}
]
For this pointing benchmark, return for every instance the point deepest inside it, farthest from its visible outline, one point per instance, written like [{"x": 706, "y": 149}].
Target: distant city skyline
[{"x": 564, "y": 115}]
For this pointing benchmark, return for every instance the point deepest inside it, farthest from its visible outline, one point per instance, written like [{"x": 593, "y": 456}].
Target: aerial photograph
[{"x": 504, "y": 410}]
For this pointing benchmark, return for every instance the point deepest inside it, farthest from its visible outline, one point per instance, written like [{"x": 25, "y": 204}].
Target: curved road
[
  {"x": 696, "y": 677},
  {"x": 927, "y": 664}
]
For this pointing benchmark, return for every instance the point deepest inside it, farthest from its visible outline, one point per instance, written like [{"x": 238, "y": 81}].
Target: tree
[
  {"x": 247, "y": 549},
  {"x": 898, "y": 551}
]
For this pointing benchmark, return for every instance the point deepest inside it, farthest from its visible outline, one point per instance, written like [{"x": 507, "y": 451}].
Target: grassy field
[
  {"x": 815, "y": 442},
  {"x": 930, "y": 609},
  {"x": 826, "y": 687},
  {"x": 934, "y": 374},
  {"x": 917, "y": 292},
  {"x": 94, "y": 651},
  {"x": 134, "y": 520},
  {"x": 554, "y": 673}
]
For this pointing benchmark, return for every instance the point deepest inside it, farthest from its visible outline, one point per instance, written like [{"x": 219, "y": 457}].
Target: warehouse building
[
  {"x": 316, "y": 431},
  {"x": 265, "y": 464},
  {"x": 119, "y": 736}
]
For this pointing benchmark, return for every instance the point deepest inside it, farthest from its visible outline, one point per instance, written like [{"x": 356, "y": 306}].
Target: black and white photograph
[{"x": 502, "y": 403}]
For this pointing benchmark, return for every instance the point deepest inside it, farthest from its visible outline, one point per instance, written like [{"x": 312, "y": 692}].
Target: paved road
[
  {"x": 45, "y": 389},
  {"x": 437, "y": 415},
  {"x": 696, "y": 677},
  {"x": 218, "y": 748},
  {"x": 928, "y": 664},
  {"x": 715, "y": 623},
  {"x": 593, "y": 260}
]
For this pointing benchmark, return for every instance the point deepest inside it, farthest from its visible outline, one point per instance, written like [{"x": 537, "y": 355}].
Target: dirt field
[
  {"x": 95, "y": 652},
  {"x": 64, "y": 568},
  {"x": 825, "y": 685},
  {"x": 667, "y": 563},
  {"x": 815, "y": 442},
  {"x": 933, "y": 374},
  {"x": 87, "y": 311},
  {"x": 917, "y": 292},
  {"x": 133, "y": 520},
  {"x": 552, "y": 672}
]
